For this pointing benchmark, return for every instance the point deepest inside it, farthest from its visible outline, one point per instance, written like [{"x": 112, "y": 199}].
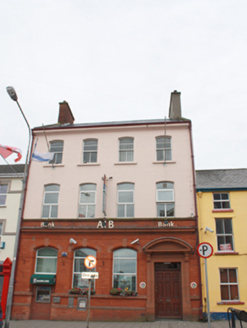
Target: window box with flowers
[
  {"x": 122, "y": 292},
  {"x": 81, "y": 291}
]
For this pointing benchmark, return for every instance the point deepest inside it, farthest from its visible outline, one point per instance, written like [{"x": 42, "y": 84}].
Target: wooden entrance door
[{"x": 168, "y": 294}]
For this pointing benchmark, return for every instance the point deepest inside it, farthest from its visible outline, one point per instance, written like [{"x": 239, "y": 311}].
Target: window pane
[
  {"x": 54, "y": 209},
  {"x": 82, "y": 283},
  {"x": 126, "y": 144},
  {"x": 164, "y": 185},
  {"x": 229, "y": 241},
  {"x": 130, "y": 156},
  {"x": 91, "y": 211},
  {"x": 3, "y": 188},
  {"x": 46, "y": 265},
  {"x": 219, "y": 226},
  {"x": 79, "y": 265},
  {"x": 82, "y": 211},
  {"x": 130, "y": 211},
  {"x": 120, "y": 211},
  {"x": 58, "y": 158},
  {"x": 124, "y": 266},
  {"x": 165, "y": 195},
  {"x": 124, "y": 281},
  {"x": 224, "y": 196},
  {"x": 232, "y": 275},
  {"x": 93, "y": 157},
  {"x": 90, "y": 145},
  {"x": 45, "y": 211},
  {"x": 216, "y": 196},
  {"x": 224, "y": 293},
  {"x": 56, "y": 146},
  {"x": 84, "y": 252},
  {"x": 160, "y": 210},
  {"x": 225, "y": 204},
  {"x": 160, "y": 155},
  {"x": 87, "y": 198},
  {"x": 51, "y": 198},
  {"x": 47, "y": 252},
  {"x": 223, "y": 275},
  {"x": 170, "y": 209},
  {"x": 168, "y": 155},
  {"x": 88, "y": 186},
  {"x": 126, "y": 197},
  {"x": 126, "y": 186},
  {"x": 52, "y": 188},
  {"x": 221, "y": 240},
  {"x": 124, "y": 252},
  {"x": 2, "y": 199},
  {"x": 234, "y": 292}
]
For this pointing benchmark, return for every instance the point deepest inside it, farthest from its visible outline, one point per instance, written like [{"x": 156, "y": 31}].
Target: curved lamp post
[{"x": 13, "y": 96}]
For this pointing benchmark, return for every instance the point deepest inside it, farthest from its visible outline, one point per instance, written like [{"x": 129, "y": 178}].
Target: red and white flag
[{"x": 6, "y": 151}]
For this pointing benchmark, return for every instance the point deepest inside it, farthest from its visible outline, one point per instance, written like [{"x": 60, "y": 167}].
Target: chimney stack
[
  {"x": 65, "y": 113},
  {"x": 175, "y": 106}
]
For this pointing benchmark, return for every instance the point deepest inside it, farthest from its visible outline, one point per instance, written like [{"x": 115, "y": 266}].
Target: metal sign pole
[
  {"x": 88, "y": 302},
  {"x": 206, "y": 276}
]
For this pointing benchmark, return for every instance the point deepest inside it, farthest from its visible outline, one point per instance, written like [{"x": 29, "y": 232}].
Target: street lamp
[{"x": 13, "y": 96}]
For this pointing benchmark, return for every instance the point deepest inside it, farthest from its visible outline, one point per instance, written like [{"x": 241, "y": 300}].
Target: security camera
[
  {"x": 135, "y": 241},
  {"x": 208, "y": 229},
  {"x": 72, "y": 241}
]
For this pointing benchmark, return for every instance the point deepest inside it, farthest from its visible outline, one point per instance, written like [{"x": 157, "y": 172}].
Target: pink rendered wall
[{"x": 144, "y": 171}]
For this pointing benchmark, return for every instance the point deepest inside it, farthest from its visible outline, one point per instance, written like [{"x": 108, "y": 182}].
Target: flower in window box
[
  {"x": 116, "y": 291},
  {"x": 75, "y": 290},
  {"x": 85, "y": 291}
]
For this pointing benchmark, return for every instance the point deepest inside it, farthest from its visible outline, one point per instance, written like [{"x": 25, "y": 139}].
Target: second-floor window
[
  {"x": 56, "y": 147},
  {"x": 165, "y": 199},
  {"x": 126, "y": 150},
  {"x": 221, "y": 201},
  {"x": 125, "y": 200},
  {"x": 50, "y": 204},
  {"x": 163, "y": 149},
  {"x": 87, "y": 200},
  {"x": 90, "y": 148},
  {"x": 3, "y": 194},
  {"x": 224, "y": 235}
]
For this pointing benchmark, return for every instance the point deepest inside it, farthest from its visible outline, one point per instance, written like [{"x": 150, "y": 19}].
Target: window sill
[
  {"x": 125, "y": 163},
  {"x": 88, "y": 164},
  {"x": 54, "y": 165},
  {"x": 230, "y": 303},
  {"x": 3, "y": 206},
  {"x": 226, "y": 253},
  {"x": 221, "y": 210},
  {"x": 162, "y": 162}
]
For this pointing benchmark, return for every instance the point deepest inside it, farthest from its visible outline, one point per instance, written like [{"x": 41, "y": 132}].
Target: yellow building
[{"x": 222, "y": 222}]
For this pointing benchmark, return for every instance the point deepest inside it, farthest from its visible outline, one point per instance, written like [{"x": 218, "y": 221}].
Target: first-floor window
[
  {"x": 165, "y": 199},
  {"x": 50, "y": 204},
  {"x": 3, "y": 193},
  {"x": 79, "y": 267},
  {"x": 124, "y": 269},
  {"x": 229, "y": 285},
  {"x": 87, "y": 200},
  {"x": 224, "y": 235},
  {"x": 46, "y": 260},
  {"x": 125, "y": 200}
]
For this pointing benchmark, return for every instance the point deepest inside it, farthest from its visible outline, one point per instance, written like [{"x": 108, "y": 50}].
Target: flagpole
[{"x": 13, "y": 96}]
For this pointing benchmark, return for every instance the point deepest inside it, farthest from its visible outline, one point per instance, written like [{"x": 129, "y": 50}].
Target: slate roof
[
  {"x": 113, "y": 123},
  {"x": 12, "y": 170},
  {"x": 221, "y": 179}
]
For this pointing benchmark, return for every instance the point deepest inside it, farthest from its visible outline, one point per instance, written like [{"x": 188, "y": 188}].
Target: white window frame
[
  {"x": 90, "y": 151},
  {"x": 55, "y": 159},
  {"x": 127, "y": 152},
  {"x": 45, "y": 257},
  {"x": 224, "y": 234},
  {"x": 221, "y": 201},
  {"x": 124, "y": 258},
  {"x": 4, "y": 193},
  {"x": 229, "y": 284},
  {"x": 164, "y": 202},
  {"x": 166, "y": 149},
  {"x": 89, "y": 191},
  {"x": 127, "y": 203},
  {"x": 92, "y": 252},
  {"x": 50, "y": 204}
]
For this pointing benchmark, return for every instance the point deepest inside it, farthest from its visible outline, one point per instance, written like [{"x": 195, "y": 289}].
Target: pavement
[{"x": 156, "y": 324}]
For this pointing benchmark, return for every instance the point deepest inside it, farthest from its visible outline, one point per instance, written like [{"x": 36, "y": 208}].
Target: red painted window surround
[
  {"x": 230, "y": 303},
  {"x": 226, "y": 253},
  {"x": 222, "y": 210}
]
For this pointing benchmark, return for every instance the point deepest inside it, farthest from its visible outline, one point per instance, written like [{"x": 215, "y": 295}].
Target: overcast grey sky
[{"x": 120, "y": 60}]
